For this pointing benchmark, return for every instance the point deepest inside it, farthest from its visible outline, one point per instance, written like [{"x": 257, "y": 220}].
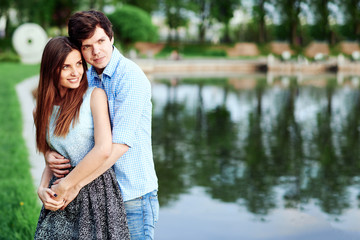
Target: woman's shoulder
[
  {"x": 98, "y": 95},
  {"x": 97, "y": 92}
]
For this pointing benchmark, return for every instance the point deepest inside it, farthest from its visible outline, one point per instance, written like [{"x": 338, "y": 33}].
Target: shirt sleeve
[{"x": 132, "y": 96}]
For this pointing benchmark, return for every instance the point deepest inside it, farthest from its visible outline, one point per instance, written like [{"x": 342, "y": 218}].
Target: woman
[{"x": 73, "y": 120}]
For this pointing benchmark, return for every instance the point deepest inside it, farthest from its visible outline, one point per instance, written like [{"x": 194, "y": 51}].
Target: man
[{"x": 129, "y": 97}]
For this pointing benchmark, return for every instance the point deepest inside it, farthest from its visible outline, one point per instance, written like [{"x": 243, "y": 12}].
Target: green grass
[{"x": 19, "y": 208}]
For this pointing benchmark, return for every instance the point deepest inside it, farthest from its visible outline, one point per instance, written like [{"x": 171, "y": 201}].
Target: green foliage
[
  {"x": 148, "y": 5},
  {"x": 46, "y": 13},
  {"x": 223, "y": 11},
  {"x": 350, "y": 30},
  {"x": 19, "y": 206},
  {"x": 9, "y": 56},
  {"x": 132, "y": 24},
  {"x": 347, "y": 32},
  {"x": 192, "y": 50},
  {"x": 246, "y": 32},
  {"x": 174, "y": 12},
  {"x": 5, "y": 44},
  {"x": 320, "y": 30}
]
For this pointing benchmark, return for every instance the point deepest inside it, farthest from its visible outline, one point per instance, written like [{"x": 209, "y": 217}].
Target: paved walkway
[{"x": 27, "y": 102}]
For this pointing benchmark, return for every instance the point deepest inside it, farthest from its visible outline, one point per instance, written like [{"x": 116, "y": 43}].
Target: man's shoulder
[{"x": 127, "y": 67}]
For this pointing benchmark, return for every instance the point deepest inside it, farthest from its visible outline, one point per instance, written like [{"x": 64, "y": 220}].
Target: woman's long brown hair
[{"x": 53, "y": 58}]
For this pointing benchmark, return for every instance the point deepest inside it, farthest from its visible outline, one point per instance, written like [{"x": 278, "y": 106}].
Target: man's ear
[{"x": 112, "y": 40}]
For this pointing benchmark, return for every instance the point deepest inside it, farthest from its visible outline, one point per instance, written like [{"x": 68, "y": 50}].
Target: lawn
[{"x": 19, "y": 207}]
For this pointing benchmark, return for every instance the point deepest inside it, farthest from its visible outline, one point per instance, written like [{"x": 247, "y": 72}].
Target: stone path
[{"x": 27, "y": 102}]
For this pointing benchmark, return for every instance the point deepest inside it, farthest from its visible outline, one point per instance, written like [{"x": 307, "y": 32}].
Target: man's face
[{"x": 97, "y": 50}]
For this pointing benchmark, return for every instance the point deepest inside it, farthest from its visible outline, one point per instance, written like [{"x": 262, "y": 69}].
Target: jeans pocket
[{"x": 154, "y": 201}]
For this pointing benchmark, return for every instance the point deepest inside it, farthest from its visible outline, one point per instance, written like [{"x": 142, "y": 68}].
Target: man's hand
[
  {"x": 57, "y": 164},
  {"x": 47, "y": 196}
]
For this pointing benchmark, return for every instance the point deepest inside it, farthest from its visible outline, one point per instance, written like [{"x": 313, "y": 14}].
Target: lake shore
[{"x": 248, "y": 66}]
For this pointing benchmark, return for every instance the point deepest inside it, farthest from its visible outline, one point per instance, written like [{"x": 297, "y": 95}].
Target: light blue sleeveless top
[{"x": 80, "y": 139}]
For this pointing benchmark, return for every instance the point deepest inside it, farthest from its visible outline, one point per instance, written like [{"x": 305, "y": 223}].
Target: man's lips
[{"x": 100, "y": 59}]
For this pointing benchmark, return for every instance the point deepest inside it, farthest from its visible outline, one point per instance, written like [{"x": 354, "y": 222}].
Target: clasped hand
[{"x": 57, "y": 197}]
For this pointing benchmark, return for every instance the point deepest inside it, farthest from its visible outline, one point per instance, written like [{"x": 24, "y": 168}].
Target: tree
[
  {"x": 321, "y": 27},
  {"x": 351, "y": 13},
  {"x": 4, "y": 11},
  {"x": 148, "y": 5},
  {"x": 132, "y": 24},
  {"x": 259, "y": 13},
  {"x": 46, "y": 13},
  {"x": 202, "y": 10},
  {"x": 223, "y": 11},
  {"x": 290, "y": 10},
  {"x": 175, "y": 15}
]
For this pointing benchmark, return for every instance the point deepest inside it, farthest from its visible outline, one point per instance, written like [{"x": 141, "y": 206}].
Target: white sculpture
[{"x": 29, "y": 40}]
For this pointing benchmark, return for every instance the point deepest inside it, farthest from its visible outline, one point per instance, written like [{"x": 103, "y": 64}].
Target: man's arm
[{"x": 117, "y": 151}]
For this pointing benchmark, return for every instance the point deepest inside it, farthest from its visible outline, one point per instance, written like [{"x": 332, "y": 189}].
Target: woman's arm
[
  {"x": 45, "y": 194},
  {"x": 98, "y": 154},
  {"x": 117, "y": 151}
]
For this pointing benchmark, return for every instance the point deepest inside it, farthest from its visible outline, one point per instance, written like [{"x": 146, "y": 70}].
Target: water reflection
[{"x": 262, "y": 145}]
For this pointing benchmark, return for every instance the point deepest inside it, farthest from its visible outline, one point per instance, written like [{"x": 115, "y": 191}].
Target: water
[{"x": 253, "y": 157}]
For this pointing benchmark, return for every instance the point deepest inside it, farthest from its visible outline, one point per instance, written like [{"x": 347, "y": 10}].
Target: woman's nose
[{"x": 75, "y": 73}]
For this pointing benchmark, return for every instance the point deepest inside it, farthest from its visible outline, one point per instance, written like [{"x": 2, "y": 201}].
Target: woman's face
[{"x": 71, "y": 72}]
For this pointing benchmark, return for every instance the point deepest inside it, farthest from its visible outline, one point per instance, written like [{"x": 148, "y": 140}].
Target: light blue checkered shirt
[{"x": 129, "y": 96}]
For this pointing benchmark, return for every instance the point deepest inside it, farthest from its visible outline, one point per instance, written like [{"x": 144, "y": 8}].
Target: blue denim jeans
[{"x": 142, "y": 214}]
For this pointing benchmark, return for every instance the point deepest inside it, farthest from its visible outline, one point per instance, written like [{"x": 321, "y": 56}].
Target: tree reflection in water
[{"x": 241, "y": 143}]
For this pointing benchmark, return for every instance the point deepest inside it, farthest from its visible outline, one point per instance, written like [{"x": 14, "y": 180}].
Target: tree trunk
[
  {"x": 202, "y": 33},
  {"x": 226, "y": 38},
  {"x": 262, "y": 30},
  {"x": 293, "y": 33},
  {"x": 262, "y": 33}
]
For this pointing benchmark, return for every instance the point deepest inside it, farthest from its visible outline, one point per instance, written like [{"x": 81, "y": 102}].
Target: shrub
[
  {"x": 9, "y": 56},
  {"x": 132, "y": 24}
]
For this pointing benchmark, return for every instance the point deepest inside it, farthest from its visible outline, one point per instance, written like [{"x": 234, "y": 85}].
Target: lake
[{"x": 257, "y": 157}]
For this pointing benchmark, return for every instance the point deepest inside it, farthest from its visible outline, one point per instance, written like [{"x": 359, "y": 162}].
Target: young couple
[{"x": 94, "y": 130}]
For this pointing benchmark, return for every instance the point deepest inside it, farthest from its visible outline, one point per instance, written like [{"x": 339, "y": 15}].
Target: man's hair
[{"x": 82, "y": 25}]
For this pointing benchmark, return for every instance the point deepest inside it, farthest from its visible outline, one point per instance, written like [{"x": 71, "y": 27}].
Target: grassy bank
[{"x": 19, "y": 208}]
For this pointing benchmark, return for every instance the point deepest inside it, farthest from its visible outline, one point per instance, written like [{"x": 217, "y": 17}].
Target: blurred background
[
  {"x": 256, "y": 113},
  {"x": 201, "y": 27}
]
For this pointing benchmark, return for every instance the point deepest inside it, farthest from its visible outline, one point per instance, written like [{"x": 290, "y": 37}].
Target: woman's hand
[
  {"x": 67, "y": 194},
  {"x": 48, "y": 198}
]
